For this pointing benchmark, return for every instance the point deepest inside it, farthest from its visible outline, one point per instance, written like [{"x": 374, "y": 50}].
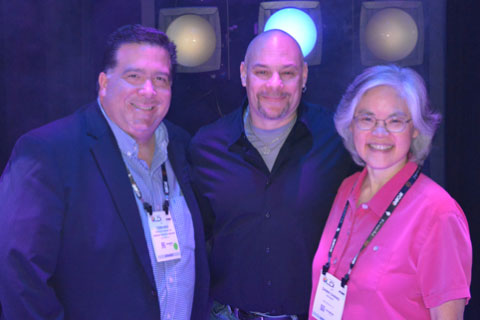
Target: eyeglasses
[{"x": 392, "y": 124}]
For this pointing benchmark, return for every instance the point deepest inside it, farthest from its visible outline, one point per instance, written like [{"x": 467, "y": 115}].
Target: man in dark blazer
[{"x": 80, "y": 198}]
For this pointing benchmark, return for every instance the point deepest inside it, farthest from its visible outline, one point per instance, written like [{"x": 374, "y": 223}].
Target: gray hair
[{"x": 410, "y": 86}]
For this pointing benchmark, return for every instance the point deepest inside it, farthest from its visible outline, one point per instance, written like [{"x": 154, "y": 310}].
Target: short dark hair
[{"x": 136, "y": 33}]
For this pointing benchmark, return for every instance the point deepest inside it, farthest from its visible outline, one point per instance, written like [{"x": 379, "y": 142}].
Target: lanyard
[
  {"x": 147, "y": 206},
  {"x": 375, "y": 230}
]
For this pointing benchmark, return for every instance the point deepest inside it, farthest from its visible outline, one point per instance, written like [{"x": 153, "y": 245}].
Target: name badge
[
  {"x": 329, "y": 300},
  {"x": 164, "y": 236}
]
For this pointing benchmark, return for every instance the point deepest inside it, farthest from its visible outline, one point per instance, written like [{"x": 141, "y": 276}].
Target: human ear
[
  {"x": 304, "y": 74},
  {"x": 102, "y": 84},
  {"x": 243, "y": 73}
]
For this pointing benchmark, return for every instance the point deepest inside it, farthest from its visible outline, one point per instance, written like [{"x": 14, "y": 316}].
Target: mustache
[{"x": 273, "y": 94}]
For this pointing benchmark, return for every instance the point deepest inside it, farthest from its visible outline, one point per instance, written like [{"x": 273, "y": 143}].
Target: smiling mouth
[
  {"x": 143, "y": 108},
  {"x": 380, "y": 147}
]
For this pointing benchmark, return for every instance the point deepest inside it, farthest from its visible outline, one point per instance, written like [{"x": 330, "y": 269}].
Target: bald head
[
  {"x": 272, "y": 38},
  {"x": 274, "y": 74}
]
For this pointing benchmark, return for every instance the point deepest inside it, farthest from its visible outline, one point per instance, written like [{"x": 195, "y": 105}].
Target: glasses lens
[
  {"x": 395, "y": 124},
  {"x": 365, "y": 122}
]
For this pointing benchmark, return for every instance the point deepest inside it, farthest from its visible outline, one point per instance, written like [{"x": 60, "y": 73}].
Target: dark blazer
[{"x": 71, "y": 241}]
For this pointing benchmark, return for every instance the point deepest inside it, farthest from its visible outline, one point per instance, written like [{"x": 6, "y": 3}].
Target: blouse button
[{"x": 364, "y": 206}]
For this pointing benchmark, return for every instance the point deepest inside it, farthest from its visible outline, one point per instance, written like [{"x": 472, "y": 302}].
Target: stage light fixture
[
  {"x": 301, "y": 19},
  {"x": 296, "y": 23},
  {"x": 391, "y": 32},
  {"x": 196, "y": 33}
]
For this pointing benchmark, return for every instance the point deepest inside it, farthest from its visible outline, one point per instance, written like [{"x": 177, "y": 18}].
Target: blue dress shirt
[{"x": 175, "y": 279}]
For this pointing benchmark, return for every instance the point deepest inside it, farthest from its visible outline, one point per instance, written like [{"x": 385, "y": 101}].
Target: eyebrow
[
  {"x": 133, "y": 70},
  {"x": 397, "y": 113},
  {"x": 143, "y": 71},
  {"x": 260, "y": 65}
]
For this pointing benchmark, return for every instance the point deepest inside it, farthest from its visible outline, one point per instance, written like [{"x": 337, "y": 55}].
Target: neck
[
  {"x": 270, "y": 124},
  {"x": 376, "y": 179},
  {"x": 146, "y": 149}
]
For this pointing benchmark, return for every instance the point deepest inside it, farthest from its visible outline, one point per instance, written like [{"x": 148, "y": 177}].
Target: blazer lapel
[{"x": 110, "y": 163}]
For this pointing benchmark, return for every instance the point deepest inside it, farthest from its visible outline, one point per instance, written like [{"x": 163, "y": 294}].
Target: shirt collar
[
  {"x": 129, "y": 147},
  {"x": 384, "y": 197}
]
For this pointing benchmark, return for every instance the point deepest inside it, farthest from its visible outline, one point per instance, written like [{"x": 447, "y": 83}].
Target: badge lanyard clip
[{"x": 166, "y": 191}]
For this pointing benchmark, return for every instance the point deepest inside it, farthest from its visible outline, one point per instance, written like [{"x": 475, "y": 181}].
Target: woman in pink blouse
[{"x": 396, "y": 245}]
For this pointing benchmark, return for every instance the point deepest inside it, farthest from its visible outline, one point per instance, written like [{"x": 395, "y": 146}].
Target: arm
[
  {"x": 30, "y": 226},
  {"x": 206, "y": 211},
  {"x": 450, "y": 310},
  {"x": 445, "y": 266}
]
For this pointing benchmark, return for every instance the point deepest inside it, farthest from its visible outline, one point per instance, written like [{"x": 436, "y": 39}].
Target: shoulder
[
  {"x": 348, "y": 183},
  {"x": 219, "y": 130},
  {"x": 319, "y": 121},
  {"x": 56, "y": 146},
  {"x": 434, "y": 196},
  {"x": 434, "y": 207},
  {"x": 317, "y": 116},
  {"x": 317, "y": 110},
  {"x": 57, "y": 134},
  {"x": 222, "y": 125},
  {"x": 177, "y": 133},
  {"x": 61, "y": 130}
]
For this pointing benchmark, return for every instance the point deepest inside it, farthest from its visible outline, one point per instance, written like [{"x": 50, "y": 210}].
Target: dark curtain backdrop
[
  {"x": 462, "y": 120},
  {"x": 50, "y": 52}
]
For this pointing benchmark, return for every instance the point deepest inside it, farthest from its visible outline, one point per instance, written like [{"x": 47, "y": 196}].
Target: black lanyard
[
  {"x": 147, "y": 206},
  {"x": 375, "y": 230}
]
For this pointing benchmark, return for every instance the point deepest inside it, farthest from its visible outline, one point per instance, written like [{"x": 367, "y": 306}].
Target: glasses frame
[{"x": 375, "y": 124}]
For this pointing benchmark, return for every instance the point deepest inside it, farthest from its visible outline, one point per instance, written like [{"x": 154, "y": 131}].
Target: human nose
[
  {"x": 276, "y": 80},
  {"x": 380, "y": 129},
  {"x": 148, "y": 89}
]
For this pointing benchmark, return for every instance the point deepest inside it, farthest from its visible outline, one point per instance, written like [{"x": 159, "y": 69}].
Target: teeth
[
  {"x": 142, "y": 108},
  {"x": 380, "y": 146}
]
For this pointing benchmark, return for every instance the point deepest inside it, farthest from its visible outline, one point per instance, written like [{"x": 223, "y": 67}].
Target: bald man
[{"x": 266, "y": 176}]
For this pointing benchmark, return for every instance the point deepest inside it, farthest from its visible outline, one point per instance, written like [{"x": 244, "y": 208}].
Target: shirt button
[
  {"x": 375, "y": 248},
  {"x": 267, "y": 250},
  {"x": 364, "y": 206},
  {"x": 170, "y": 279},
  {"x": 129, "y": 154},
  {"x": 268, "y": 182},
  {"x": 169, "y": 316},
  {"x": 267, "y": 215},
  {"x": 269, "y": 283}
]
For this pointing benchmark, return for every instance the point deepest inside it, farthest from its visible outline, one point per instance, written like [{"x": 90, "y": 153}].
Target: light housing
[{"x": 196, "y": 33}]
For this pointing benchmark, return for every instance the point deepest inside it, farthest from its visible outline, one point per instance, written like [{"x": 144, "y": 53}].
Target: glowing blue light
[{"x": 296, "y": 23}]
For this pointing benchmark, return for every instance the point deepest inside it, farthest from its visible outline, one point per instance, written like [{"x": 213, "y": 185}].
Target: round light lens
[
  {"x": 195, "y": 39},
  {"x": 296, "y": 23},
  {"x": 391, "y": 34}
]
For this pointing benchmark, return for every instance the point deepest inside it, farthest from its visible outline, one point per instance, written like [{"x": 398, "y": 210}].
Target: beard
[{"x": 273, "y": 112}]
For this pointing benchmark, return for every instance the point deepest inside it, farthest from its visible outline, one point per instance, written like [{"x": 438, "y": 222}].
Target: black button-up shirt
[{"x": 265, "y": 226}]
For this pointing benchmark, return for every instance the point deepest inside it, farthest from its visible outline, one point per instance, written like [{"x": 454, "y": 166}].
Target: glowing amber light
[
  {"x": 195, "y": 39},
  {"x": 391, "y": 34}
]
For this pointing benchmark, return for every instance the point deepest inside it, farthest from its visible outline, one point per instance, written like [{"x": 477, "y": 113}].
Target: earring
[{"x": 304, "y": 89}]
